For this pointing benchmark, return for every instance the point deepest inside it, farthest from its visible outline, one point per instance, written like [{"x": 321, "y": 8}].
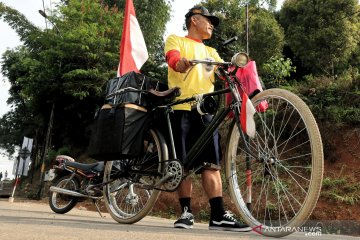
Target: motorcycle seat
[{"x": 86, "y": 166}]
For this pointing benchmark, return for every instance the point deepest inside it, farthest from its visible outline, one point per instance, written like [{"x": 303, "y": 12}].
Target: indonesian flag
[
  {"x": 133, "y": 51},
  {"x": 247, "y": 116}
]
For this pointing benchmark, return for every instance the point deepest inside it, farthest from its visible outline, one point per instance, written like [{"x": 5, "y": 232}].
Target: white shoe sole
[
  {"x": 247, "y": 229},
  {"x": 181, "y": 225}
]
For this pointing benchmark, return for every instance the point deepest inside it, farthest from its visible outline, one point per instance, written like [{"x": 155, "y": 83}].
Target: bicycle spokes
[{"x": 281, "y": 180}]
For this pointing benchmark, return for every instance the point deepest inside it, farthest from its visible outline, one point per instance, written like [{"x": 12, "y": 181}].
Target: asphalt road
[{"x": 35, "y": 221}]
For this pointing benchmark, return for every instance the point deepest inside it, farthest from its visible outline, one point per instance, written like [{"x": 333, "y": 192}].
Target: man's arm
[
  {"x": 176, "y": 62},
  {"x": 173, "y": 58}
]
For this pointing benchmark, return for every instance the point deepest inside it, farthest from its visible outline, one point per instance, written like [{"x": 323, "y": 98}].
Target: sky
[{"x": 9, "y": 39}]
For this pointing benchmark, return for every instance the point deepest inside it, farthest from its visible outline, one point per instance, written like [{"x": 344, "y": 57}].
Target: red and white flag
[
  {"x": 133, "y": 51},
  {"x": 247, "y": 116}
]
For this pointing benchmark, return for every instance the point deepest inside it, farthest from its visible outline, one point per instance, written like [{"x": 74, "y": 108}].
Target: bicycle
[{"x": 274, "y": 178}]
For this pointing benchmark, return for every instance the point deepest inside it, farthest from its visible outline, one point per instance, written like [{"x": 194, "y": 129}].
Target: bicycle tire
[
  {"x": 62, "y": 203},
  {"x": 277, "y": 190},
  {"x": 125, "y": 201}
]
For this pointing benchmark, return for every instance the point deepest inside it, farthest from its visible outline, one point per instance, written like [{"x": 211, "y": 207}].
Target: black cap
[{"x": 204, "y": 12}]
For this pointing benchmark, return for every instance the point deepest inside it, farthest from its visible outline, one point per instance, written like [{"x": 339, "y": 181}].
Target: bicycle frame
[
  {"x": 274, "y": 179},
  {"x": 214, "y": 124}
]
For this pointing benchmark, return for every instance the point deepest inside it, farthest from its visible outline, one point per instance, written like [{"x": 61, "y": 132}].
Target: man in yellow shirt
[{"x": 188, "y": 124}]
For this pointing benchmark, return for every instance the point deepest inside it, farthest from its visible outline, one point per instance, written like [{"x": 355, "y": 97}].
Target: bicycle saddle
[
  {"x": 161, "y": 97},
  {"x": 167, "y": 93}
]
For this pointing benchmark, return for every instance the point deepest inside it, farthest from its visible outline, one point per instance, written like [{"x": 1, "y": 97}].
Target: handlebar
[
  {"x": 240, "y": 59},
  {"x": 230, "y": 40},
  {"x": 209, "y": 62}
]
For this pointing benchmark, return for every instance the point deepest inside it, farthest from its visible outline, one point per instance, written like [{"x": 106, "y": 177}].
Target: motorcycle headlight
[{"x": 240, "y": 59}]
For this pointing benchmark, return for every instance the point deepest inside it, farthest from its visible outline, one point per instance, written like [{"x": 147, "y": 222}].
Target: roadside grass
[{"x": 341, "y": 190}]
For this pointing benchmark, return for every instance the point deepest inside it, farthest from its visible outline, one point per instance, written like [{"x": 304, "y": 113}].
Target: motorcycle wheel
[{"x": 61, "y": 203}]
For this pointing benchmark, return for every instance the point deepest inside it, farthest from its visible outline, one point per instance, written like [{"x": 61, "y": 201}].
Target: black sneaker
[
  {"x": 186, "y": 220},
  {"x": 229, "y": 223}
]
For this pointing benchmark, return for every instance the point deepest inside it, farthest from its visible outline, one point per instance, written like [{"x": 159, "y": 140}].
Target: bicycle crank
[{"x": 174, "y": 169}]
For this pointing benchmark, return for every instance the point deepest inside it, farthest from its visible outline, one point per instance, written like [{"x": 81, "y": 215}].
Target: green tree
[
  {"x": 322, "y": 33},
  {"x": 69, "y": 70},
  {"x": 152, "y": 16},
  {"x": 266, "y": 37}
]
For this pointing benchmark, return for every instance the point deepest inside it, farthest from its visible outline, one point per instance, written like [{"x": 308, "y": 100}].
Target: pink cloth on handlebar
[{"x": 250, "y": 82}]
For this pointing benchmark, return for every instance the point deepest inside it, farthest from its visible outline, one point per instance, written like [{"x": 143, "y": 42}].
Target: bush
[
  {"x": 276, "y": 70},
  {"x": 334, "y": 100}
]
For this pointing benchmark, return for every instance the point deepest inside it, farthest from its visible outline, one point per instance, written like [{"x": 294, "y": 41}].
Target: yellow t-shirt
[{"x": 197, "y": 80}]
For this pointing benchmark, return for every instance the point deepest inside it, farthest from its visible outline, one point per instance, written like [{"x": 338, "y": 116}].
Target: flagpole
[{"x": 247, "y": 27}]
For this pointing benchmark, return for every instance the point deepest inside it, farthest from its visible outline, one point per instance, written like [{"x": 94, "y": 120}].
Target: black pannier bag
[
  {"x": 132, "y": 88},
  {"x": 120, "y": 124},
  {"x": 118, "y": 132}
]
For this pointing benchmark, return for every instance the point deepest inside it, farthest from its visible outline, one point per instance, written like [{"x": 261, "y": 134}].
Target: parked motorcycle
[{"x": 75, "y": 182}]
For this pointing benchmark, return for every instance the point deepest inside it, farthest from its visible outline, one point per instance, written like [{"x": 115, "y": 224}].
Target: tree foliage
[
  {"x": 276, "y": 70},
  {"x": 324, "y": 36},
  {"x": 322, "y": 33},
  {"x": 69, "y": 69},
  {"x": 266, "y": 37}
]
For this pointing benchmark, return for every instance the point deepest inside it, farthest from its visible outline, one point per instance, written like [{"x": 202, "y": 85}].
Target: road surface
[{"x": 29, "y": 220}]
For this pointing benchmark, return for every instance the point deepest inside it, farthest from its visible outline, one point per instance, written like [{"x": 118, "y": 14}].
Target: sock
[
  {"x": 217, "y": 208},
  {"x": 185, "y": 202}
]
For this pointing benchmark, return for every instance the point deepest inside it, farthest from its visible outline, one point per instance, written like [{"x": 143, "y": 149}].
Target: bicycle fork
[{"x": 249, "y": 154}]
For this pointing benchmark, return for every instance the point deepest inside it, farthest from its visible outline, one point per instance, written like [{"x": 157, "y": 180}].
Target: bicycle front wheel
[
  {"x": 127, "y": 198},
  {"x": 276, "y": 187}
]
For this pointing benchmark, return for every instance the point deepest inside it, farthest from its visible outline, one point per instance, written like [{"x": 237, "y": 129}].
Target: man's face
[{"x": 203, "y": 26}]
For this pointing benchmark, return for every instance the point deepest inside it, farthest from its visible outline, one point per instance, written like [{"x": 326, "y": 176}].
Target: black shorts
[{"x": 187, "y": 127}]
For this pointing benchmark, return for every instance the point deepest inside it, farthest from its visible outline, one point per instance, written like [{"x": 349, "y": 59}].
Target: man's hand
[{"x": 183, "y": 65}]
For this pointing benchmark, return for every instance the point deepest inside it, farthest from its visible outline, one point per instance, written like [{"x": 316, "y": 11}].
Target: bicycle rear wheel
[
  {"x": 277, "y": 187},
  {"x": 126, "y": 198}
]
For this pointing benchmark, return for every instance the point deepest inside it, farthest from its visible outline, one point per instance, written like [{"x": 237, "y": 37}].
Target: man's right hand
[{"x": 183, "y": 65}]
